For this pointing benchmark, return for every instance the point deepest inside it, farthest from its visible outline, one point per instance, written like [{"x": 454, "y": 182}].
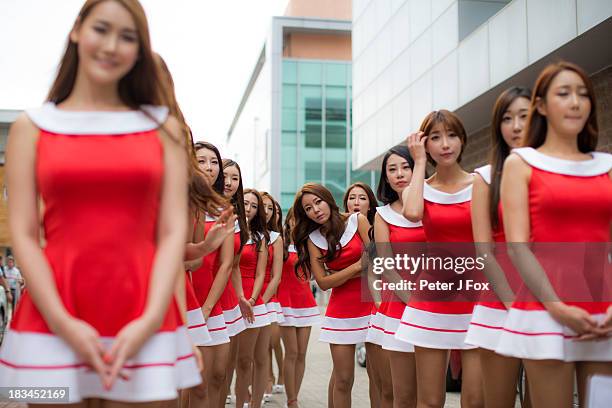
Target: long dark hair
[
  {"x": 499, "y": 148},
  {"x": 257, "y": 226},
  {"x": 140, "y": 86},
  {"x": 371, "y": 198},
  {"x": 287, "y": 240},
  {"x": 332, "y": 230},
  {"x": 237, "y": 200},
  {"x": 272, "y": 225},
  {"x": 218, "y": 184},
  {"x": 537, "y": 125},
  {"x": 385, "y": 193}
]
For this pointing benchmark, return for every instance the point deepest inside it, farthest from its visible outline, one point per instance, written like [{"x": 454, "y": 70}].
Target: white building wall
[
  {"x": 250, "y": 142},
  {"x": 408, "y": 60}
]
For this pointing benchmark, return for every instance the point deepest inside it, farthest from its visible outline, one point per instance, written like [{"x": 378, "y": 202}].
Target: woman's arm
[
  {"x": 277, "y": 270},
  {"x": 226, "y": 256},
  {"x": 260, "y": 271},
  {"x": 412, "y": 196},
  {"x": 483, "y": 240},
  {"x": 335, "y": 279},
  {"x": 246, "y": 309},
  {"x": 215, "y": 237},
  {"x": 384, "y": 250},
  {"x": 181, "y": 295}
]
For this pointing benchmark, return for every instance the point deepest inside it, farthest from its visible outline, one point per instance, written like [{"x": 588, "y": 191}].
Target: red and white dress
[
  {"x": 203, "y": 279},
  {"x": 347, "y": 316},
  {"x": 298, "y": 304},
  {"x": 229, "y": 300},
  {"x": 392, "y": 308},
  {"x": 490, "y": 313},
  {"x": 248, "y": 269},
  {"x": 196, "y": 325},
  {"x": 569, "y": 201},
  {"x": 100, "y": 177},
  {"x": 441, "y": 324},
  {"x": 273, "y": 306}
]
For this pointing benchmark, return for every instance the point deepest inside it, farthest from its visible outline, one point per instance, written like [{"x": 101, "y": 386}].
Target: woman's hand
[
  {"x": 128, "y": 342},
  {"x": 85, "y": 341},
  {"x": 577, "y": 319},
  {"x": 222, "y": 227},
  {"x": 206, "y": 311},
  {"x": 198, "y": 357},
  {"x": 246, "y": 308},
  {"x": 416, "y": 144}
]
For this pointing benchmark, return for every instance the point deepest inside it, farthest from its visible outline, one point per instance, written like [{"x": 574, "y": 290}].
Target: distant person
[{"x": 15, "y": 280}]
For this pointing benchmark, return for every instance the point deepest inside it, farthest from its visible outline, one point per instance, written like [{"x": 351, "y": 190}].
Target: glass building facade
[{"x": 316, "y": 128}]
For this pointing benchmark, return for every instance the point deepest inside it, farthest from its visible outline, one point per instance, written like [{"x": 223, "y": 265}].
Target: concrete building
[
  {"x": 293, "y": 123},
  {"x": 414, "y": 56}
]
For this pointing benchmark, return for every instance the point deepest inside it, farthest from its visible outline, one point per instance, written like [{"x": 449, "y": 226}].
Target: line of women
[
  {"x": 555, "y": 191},
  {"x": 159, "y": 272}
]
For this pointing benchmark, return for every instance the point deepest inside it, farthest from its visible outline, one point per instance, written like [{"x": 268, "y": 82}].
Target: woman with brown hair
[
  {"x": 211, "y": 279},
  {"x": 558, "y": 189},
  {"x": 274, "y": 270},
  {"x": 359, "y": 198},
  {"x": 442, "y": 204},
  {"x": 252, "y": 365},
  {"x": 109, "y": 163},
  {"x": 236, "y": 308},
  {"x": 329, "y": 246},
  {"x": 500, "y": 373},
  {"x": 301, "y": 313}
]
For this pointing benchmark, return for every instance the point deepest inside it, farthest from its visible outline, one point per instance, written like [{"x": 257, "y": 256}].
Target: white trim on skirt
[
  {"x": 344, "y": 330},
  {"x": 434, "y": 330},
  {"x": 164, "y": 364},
  {"x": 301, "y": 317},
  {"x": 535, "y": 335},
  {"x": 196, "y": 327}
]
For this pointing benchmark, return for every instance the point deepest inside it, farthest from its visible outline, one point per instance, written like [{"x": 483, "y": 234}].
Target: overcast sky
[{"x": 211, "y": 47}]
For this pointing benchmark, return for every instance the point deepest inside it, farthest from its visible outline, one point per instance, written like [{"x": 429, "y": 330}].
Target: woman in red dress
[
  {"x": 559, "y": 190},
  {"x": 442, "y": 204},
  {"x": 236, "y": 307},
  {"x": 253, "y": 342},
  {"x": 274, "y": 270},
  {"x": 390, "y": 228},
  {"x": 500, "y": 373},
  {"x": 329, "y": 246},
  {"x": 301, "y": 313},
  {"x": 210, "y": 281},
  {"x": 359, "y": 198},
  {"x": 109, "y": 166}
]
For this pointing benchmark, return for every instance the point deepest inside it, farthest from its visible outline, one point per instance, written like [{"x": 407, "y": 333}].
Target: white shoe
[
  {"x": 278, "y": 389},
  {"x": 267, "y": 398},
  {"x": 245, "y": 405}
]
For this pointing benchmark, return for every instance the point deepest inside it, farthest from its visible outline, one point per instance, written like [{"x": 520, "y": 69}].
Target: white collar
[
  {"x": 250, "y": 241},
  {"x": 236, "y": 226},
  {"x": 349, "y": 231},
  {"x": 273, "y": 236},
  {"x": 392, "y": 217},
  {"x": 50, "y": 118},
  {"x": 436, "y": 196},
  {"x": 601, "y": 163},
  {"x": 291, "y": 248},
  {"x": 485, "y": 173}
]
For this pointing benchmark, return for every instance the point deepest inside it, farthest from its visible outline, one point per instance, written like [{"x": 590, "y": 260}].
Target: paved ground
[{"x": 318, "y": 368}]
